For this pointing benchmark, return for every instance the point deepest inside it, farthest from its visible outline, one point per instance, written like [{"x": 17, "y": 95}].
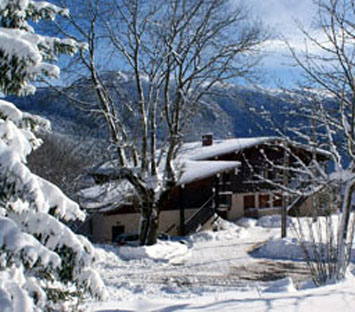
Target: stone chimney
[{"x": 207, "y": 139}]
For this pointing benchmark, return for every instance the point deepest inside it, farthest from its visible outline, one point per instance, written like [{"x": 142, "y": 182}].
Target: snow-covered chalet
[{"x": 220, "y": 178}]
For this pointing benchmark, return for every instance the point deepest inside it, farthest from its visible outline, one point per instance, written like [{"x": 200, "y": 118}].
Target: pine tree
[{"x": 44, "y": 266}]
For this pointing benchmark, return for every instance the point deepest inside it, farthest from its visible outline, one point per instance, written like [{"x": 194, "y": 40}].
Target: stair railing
[{"x": 200, "y": 216}]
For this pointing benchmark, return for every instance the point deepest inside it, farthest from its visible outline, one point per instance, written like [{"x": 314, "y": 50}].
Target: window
[
  {"x": 277, "y": 200},
  {"x": 264, "y": 201},
  {"x": 249, "y": 201}
]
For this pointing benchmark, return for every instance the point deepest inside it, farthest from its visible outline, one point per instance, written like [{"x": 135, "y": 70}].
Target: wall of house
[
  {"x": 102, "y": 226},
  {"x": 241, "y": 207},
  {"x": 237, "y": 208}
]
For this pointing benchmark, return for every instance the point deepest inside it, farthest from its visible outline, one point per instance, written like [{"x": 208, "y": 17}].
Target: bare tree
[
  {"x": 62, "y": 162},
  {"x": 323, "y": 117},
  {"x": 177, "y": 51}
]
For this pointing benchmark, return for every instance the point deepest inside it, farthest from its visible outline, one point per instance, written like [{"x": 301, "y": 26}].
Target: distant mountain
[{"x": 228, "y": 111}]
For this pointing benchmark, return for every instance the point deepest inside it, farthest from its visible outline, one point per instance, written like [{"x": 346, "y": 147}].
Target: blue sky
[{"x": 280, "y": 17}]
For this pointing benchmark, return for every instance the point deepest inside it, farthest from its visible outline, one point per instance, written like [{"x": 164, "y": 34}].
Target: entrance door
[{"x": 117, "y": 230}]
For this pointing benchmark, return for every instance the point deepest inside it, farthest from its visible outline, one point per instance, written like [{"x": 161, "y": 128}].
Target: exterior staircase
[
  {"x": 214, "y": 205},
  {"x": 203, "y": 214}
]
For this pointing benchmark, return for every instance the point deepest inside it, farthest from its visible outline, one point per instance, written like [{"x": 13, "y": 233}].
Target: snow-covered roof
[
  {"x": 193, "y": 157},
  {"x": 105, "y": 196},
  {"x": 195, "y": 150},
  {"x": 192, "y": 161},
  {"x": 198, "y": 170}
]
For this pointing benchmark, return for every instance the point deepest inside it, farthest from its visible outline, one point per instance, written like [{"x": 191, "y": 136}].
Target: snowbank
[
  {"x": 225, "y": 231},
  {"x": 290, "y": 249},
  {"x": 282, "y": 248},
  {"x": 246, "y": 222},
  {"x": 284, "y": 285},
  {"x": 162, "y": 251},
  {"x": 273, "y": 221}
]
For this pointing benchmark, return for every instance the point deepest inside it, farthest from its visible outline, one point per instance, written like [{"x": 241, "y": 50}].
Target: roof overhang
[
  {"x": 193, "y": 170},
  {"x": 195, "y": 151}
]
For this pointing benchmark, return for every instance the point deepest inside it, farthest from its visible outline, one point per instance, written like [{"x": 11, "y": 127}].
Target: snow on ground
[
  {"x": 214, "y": 271},
  {"x": 327, "y": 299}
]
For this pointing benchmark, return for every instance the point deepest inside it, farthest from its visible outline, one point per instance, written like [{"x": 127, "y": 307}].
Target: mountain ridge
[{"x": 229, "y": 111}]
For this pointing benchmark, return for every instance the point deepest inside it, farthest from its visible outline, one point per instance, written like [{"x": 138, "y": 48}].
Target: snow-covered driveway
[
  {"x": 217, "y": 261},
  {"x": 214, "y": 272}
]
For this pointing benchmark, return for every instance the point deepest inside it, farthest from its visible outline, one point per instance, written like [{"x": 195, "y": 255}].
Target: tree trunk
[
  {"x": 150, "y": 215},
  {"x": 144, "y": 224},
  {"x": 149, "y": 220},
  {"x": 149, "y": 225},
  {"x": 152, "y": 234},
  {"x": 343, "y": 256}
]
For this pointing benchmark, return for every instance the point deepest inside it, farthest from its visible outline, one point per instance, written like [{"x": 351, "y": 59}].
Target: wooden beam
[
  {"x": 216, "y": 195},
  {"x": 182, "y": 210}
]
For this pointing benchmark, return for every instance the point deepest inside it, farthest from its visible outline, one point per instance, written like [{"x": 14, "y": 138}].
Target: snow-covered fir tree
[{"x": 44, "y": 266}]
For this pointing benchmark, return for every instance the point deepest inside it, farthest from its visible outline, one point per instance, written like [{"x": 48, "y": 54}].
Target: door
[{"x": 117, "y": 230}]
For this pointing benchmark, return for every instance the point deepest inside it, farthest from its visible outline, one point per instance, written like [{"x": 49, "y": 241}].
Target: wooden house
[{"x": 226, "y": 178}]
